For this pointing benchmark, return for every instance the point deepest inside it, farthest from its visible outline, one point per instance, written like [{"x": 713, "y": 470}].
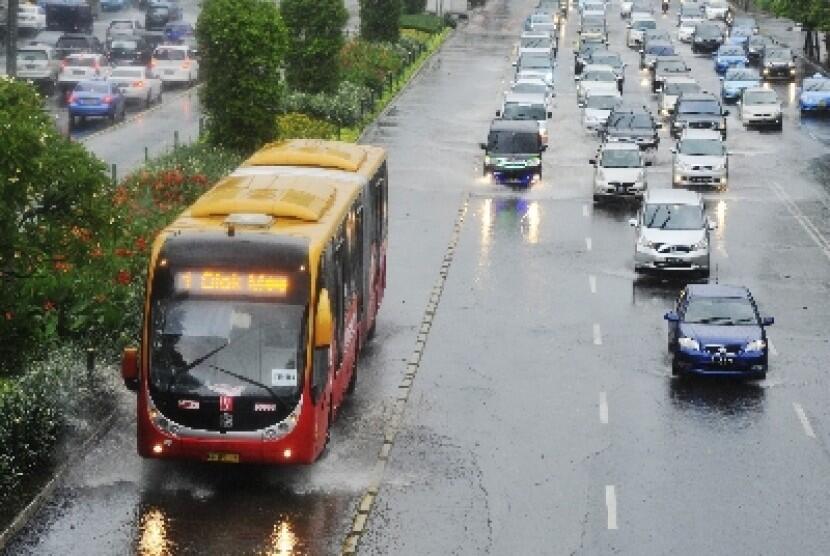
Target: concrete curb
[{"x": 23, "y": 517}]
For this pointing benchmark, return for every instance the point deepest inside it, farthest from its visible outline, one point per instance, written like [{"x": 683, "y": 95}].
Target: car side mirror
[
  {"x": 129, "y": 368},
  {"x": 726, "y": 112},
  {"x": 632, "y": 222},
  {"x": 658, "y": 125},
  {"x": 767, "y": 321},
  {"x": 543, "y": 148},
  {"x": 711, "y": 224},
  {"x": 592, "y": 161},
  {"x": 483, "y": 146},
  {"x": 649, "y": 163},
  {"x": 323, "y": 321},
  {"x": 498, "y": 113},
  {"x": 671, "y": 316},
  {"x": 550, "y": 114}
]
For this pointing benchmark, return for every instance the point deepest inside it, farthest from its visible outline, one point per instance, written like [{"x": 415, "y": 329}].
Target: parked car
[
  {"x": 137, "y": 84},
  {"x": 730, "y": 56},
  {"x": 700, "y": 158},
  {"x": 815, "y": 94},
  {"x": 97, "y": 98},
  {"x": 717, "y": 330},
  {"x": 736, "y": 80},
  {"x": 81, "y": 67},
  {"x": 513, "y": 152},
  {"x": 672, "y": 233},
  {"x": 760, "y": 106},
  {"x": 619, "y": 172},
  {"x": 37, "y": 63}
]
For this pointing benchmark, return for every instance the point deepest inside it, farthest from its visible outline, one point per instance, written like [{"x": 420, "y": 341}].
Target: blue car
[
  {"x": 739, "y": 36},
  {"x": 717, "y": 330},
  {"x": 176, "y": 32},
  {"x": 96, "y": 99},
  {"x": 736, "y": 80},
  {"x": 113, "y": 5},
  {"x": 729, "y": 56},
  {"x": 815, "y": 94}
]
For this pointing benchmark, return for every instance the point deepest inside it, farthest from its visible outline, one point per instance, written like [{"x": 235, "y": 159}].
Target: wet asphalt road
[{"x": 543, "y": 418}]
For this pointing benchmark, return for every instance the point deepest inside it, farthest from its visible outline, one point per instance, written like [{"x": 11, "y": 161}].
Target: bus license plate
[{"x": 221, "y": 457}]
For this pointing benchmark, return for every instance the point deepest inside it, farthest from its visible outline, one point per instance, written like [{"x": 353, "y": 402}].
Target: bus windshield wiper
[{"x": 252, "y": 382}]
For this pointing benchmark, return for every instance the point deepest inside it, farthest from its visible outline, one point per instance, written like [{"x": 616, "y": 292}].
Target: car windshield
[
  {"x": 523, "y": 111},
  {"x": 92, "y": 87},
  {"x": 690, "y": 10},
  {"x": 81, "y": 62},
  {"x": 120, "y": 25},
  {"x": 621, "y": 158},
  {"x": 535, "y": 42},
  {"x": 707, "y": 31},
  {"x": 606, "y": 60},
  {"x": 727, "y": 311},
  {"x": 512, "y": 142},
  {"x": 673, "y": 217},
  {"x": 817, "y": 85},
  {"x": 124, "y": 45},
  {"x": 676, "y": 89},
  {"x": 158, "y": 10},
  {"x": 630, "y": 121},
  {"x": 251, "y": 347},
  {"x": 660, "y": 50},
  {"x": 169, "y": 54},
  {"x": 535, "y": 61},
  {"x": 702, "y": 147},
  {"x": 529, "y": 88},
  {"x": 717, "y": 4},
  {"x": 731, "y": 51},
  {"x": 599, "y": 75},
  {"x": 72, "y": 42},
  {"x": 760, "y": 97},
  {"x": 699, "y": 107},
  {"x": 644, "y": 24},
  {"x": 672, "y": 66},
  {"x": 602, "y": 102},
  {"x": 128, "y": 72},
  {"x": 741, "y": 75},
  {"x": 778, "y": 55},
  {"x": 32, "y": 55}
]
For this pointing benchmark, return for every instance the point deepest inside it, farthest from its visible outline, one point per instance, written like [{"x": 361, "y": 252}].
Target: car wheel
[
  {"x": 675, "y": 367},
  {"x": 159, "y": 97},
  {"x": 149, "y": 100}
]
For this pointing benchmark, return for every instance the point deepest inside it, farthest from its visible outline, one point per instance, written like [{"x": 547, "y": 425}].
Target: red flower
[
  {"x": 140, "y": 244},
  {"x": 48, "y": 306},
  {"x": 123, "y": 252},
  {"x": 123, "y": 277},
  {"x": 9, "y": 315}
]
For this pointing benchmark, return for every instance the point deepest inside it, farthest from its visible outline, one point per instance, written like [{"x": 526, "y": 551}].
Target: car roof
[
  {"x": 619, "y": 146},
  {"x": 525, "y": 98},
  {"x": 701, "y": 134},
  {"x": 528, "y": 126},
  {"x": 536, "y": 35},
  {"x": 760, "y": 90},
  {"x": 697, "y": 96},
  {"x": 667, "y": 196},
  {"x": 603, "y": 92},
  {"x": 717, "y": 290},
  {"x": 680, "y": 79},
  {"x": 597, "y": 67},
  {"x": 733, "y": 71}
]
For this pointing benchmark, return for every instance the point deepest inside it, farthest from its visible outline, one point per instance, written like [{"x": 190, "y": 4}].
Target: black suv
[
  {"x": 698, "y": 111},
  {"x": 778, "y": 63},
  {"x": 513, "y": 152},
  {"x": 69, "y": 16},
  {"x": 633, "y": 124},
  {"x": 755, "y": 48},
  {"x": 128, "y": 50},
  {"x": 76, "y": 43},
  {"x": 707, "y": 38}
]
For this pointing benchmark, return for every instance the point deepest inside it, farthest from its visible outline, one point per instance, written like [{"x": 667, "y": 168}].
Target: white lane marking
[
  {"x": 805, "y": 422},
  {"x": 597, "y": 335},
  {"x": 772, "y": 350},
  {"x": 585, "y": 210},
  {"x": 592, "y": 283},
  {"x": 611, "y": 506},
  {"x": 809, "y": 227},
  {"x": 588, "y": 243},
  {"x": 603, "y": 408}
]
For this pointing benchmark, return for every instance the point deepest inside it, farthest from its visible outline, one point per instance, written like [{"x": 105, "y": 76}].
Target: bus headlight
[{"x": 281, "y": 429}]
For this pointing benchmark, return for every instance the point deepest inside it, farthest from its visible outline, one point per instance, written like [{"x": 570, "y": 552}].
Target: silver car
[
  {"x": 700, "y": 158},
  {"x": 672, "y": 233},
  {"x": 760, "y": 106},
  {"x": 527, "y": 106},
  {"x": 620, "y": 172},
  {"x": 673, "y": 87},
  {"x": 597, "y": 107},
  {"x": 536, "y": 63}
]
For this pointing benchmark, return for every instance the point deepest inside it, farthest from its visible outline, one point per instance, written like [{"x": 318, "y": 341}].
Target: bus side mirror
[
  {"x": 129, "y": 368},
  {"x": 322, "y": 321}
]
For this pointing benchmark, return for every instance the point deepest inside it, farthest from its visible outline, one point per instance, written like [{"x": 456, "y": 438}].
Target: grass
[{"x": 422, "y": 22}]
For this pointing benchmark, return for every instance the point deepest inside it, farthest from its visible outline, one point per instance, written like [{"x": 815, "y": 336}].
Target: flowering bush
[
  {"x": 302, "y": 126},
  {"x": 370, "y": 64},
  {"x": 346, "y": 107}
]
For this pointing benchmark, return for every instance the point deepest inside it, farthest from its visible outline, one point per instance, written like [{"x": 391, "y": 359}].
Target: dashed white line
[
  {"x": 611, "y": 506},
  {"x": 772, "y": 350},
  {"x": 588, "y": 243},
  {"x": 592, "y": 284},
  {"x": 805, "y": 422},
  {"x": 597, "y": 335},
  {"x": 603, "y": 408},
  {"x": 585, "y": 210}
]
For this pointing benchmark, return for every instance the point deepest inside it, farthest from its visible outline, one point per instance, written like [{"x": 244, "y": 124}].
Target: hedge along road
[{"x": 114, "y": 503}]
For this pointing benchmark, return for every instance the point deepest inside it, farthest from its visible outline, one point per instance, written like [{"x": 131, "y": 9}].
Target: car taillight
[
  {"x": 72, "y": 98},
  {"x": 107, "y": 99},
  {"x": 185, "y": 65},
  {"x": 152, "y": 62},
  {"x": 137, "y": 84}
]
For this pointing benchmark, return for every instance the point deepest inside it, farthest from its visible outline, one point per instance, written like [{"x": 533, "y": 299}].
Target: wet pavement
[{"x": 543, "y": 418}]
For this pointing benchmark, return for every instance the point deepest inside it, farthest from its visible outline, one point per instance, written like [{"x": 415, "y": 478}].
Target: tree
[
  {"x": 414, "y": 6},
  {"x": 380, "y": 20},
  {"x": 315, "y": 37},
  {"x": 242, "y": 44}
]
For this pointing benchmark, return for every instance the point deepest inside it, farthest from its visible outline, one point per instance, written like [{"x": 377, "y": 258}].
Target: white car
[
  {"x": 531, "y": 86},
  {"x": 700, "y": 158},
  {"x": 760, "y": 106},
  {"x": 175, "y": 64},
  {"x": 620, "y": 172},
  {"x": 31, "y": 17},
  {"x": 672, "y": 233},
  {"x": 716, "y": 9},
  {"x": 673, "y": 87},
  {"x": 526, "y": 106},
  {"x": 37, "y": 63},
  {"x": 81, "y": 67},
  {"x": 137, "y": 84},
  {"x": 537, "y": 40},
  {"x": 625, "y": 8},
  {"x": 639, "y": 23},
  {"x": 537, "y": 63},
  {"x": 597, "y": 107},
  {"x": 595, "y": 78},
  {"x": 686, "y": 27}
]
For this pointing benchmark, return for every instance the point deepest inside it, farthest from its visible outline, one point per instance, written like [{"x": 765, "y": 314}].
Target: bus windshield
[{"x": 202, "y": 345}]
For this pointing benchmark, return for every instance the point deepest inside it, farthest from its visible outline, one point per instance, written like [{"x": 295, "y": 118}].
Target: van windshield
[{"x": 512, "y": 142}]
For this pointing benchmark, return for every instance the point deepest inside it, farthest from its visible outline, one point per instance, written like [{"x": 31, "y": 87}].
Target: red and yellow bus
[{"x": 259, "y": 298}]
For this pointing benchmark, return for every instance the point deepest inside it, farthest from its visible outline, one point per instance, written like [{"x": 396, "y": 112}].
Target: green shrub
[
  {"x": 315, "y": 37},
  {"x": 242, "y": 43},
  {"x": 302, "y": 126},
  {"x": 346, "y": 107},
  {"x": 379, "y": 20},
  {"x": 427, "y": 23},
  {"x": 370, "y": 64},
  {"x": 414, "y": 6}
]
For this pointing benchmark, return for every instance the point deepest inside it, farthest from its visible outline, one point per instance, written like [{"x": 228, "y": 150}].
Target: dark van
[
  {"x": 76, "y": 43},
  {"x": 128, "y": 50},
  {"x": 513, "y": 152},
  {"x": 68, "y": 15}
]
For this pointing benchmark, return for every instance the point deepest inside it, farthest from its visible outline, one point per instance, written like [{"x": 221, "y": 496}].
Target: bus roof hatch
[{"x": 310, "y": 152}]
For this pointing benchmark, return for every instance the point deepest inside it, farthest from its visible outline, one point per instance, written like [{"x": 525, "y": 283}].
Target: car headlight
[
  {"x": 535, "y": 161},
  {"x": 719, "y": 167},
  {"x": 487, "y": 160},
  {"x": 684, "y": 166},
  {"x": 766, "y": 71},
  {"x": 688, "y": 343},
  {"x": 700, "y": 245},
  {"x": 755, "y": 345},
  {"x": 646, "y": 243}
]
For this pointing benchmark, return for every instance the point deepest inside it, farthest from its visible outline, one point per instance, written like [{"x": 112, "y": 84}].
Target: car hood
[
  {"x": 730, "y": 59},
  {"x": 693, "y": 160},
  {"x": 698, "y": 117},
  {"x": 740, "y": 84},
  {"x": 622, "y": 174},
  {"x": 673, "y": 237},
  {"x": 719, "y": 334},
  {"x": 586, "y": 86},
  {"x": 629, "y": 132},
  {"x": 762, "y": 108},
  {"x": 596, "y": 114}
]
